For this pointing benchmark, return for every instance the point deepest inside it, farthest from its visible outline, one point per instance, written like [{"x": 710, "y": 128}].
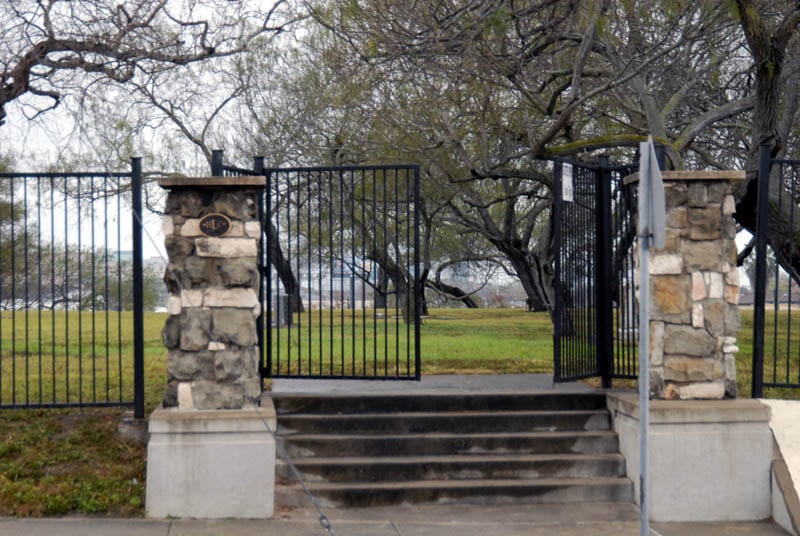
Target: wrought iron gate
[
  {"x": 595, "y": 320},
  {"x": 340, "y": 290}
]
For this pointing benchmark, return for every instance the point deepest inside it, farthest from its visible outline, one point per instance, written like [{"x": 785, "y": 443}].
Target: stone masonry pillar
[
  {"x": 211, "y": 231},
  {"x": 694, "y": 289},
  {"x": 211, "y": 452},
  {"x": 697, "y": 442}
]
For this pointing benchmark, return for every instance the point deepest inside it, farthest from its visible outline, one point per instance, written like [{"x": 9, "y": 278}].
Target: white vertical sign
[{"x": 567, "y": 190}]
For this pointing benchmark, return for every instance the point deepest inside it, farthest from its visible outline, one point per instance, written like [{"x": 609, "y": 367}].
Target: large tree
[
  {"x": 54, "y": 47},
  {"x": 495, "y": 88}
]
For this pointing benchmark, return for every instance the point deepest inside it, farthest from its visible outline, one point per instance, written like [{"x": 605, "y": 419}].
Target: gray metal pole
[
  {"x": 644, "y": 382},
  {"x": 645, "y": 208}
]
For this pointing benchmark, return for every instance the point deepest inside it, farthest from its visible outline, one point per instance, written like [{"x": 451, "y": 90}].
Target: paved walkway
[{"x": 428, "y": 520}]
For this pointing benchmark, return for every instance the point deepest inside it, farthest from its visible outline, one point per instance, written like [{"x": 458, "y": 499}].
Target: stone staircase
[{"x": 383, "y": 449}]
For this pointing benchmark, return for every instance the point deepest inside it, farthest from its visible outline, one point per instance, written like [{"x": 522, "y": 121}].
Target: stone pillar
[
  {"x": 696, "y": 447},
  {"x": 211, "y": 452},
  {"x": 694, "y": 289},
  {"x": 212, "y": 359}
]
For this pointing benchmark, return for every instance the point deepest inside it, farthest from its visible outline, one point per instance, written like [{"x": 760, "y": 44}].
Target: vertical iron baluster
[
  {"x": 39, "y": 279},
  {"x": 290, "y": 307},
  {"x": 26, "y": 290},
  {"x": 138, "y": 289},
  {"x": 340, "y": 194},
  {"x": 417, "y": 281},
  {"x": 331, "y": 268},
  {"x": 352, "y": 225},
  {"x": 307, "y": 227},
  {"x": 80, "y": 292},
  {"x": 298, "y": 236},
  {"x": 378, "y": 275},
  {"x": 94, "y": 294},
  {"x": 13, "y": 298},
  {"x": 66, "y": 288},
  {"x": 403, "y": 269},
  {"x": 53, "y": 285},
  {"x": 119, "y": 289},
  {"x": 384, "y": 251},
  {"x": 105, "y": 288},
  {"x": 320, "y": 267},
  {"x": 413, "y": 291},
  {"x": 365, "y": 275}
]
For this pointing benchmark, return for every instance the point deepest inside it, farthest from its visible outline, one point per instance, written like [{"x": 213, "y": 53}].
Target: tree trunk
[
  {"x": 423, "y": 282},
  {"x": 284, "y": 269},
  {"x": 402, "y": 282},
  {"x": 530, "y": 272}
]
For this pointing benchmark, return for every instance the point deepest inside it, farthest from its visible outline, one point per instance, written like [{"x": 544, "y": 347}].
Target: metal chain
[{"x": 324, "y": 520}]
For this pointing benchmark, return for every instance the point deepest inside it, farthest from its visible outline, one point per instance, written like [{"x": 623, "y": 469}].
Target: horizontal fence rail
[
  {"x": 776, "y": 338},
  {"x": 342, "y": 292},
  {"x": 68, "y": 291}
]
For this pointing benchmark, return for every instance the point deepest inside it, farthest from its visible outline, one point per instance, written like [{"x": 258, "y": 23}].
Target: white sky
[{"x": 50, "y": 144}]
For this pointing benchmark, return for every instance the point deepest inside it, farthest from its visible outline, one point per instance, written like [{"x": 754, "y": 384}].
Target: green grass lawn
[
  {"x": 486, "y": 341},
  {"x": 61, "y": 461}
]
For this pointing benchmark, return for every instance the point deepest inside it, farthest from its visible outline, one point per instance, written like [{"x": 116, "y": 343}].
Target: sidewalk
[{"x": 439, "y": 520}]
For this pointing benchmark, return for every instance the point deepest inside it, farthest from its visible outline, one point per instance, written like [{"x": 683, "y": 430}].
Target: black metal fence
[
  {"x": 776, "y": 340},
  {"x": 595, "y": 320},
  {"x": 71, "y": 290},
  {"x": 340, "y": 288}
]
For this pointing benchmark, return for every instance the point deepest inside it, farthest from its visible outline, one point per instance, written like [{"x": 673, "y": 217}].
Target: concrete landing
[{"x": 445, "y": 383}]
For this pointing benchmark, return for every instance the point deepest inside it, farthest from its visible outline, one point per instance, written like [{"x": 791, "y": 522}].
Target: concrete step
[
  {"x": 560, "y": 490},
  {"x": 337, "y": 403},
  {"x": 417, "y": 468},
  {"x": 452, "y": 422},
  {"x": 478, "y": 448},
  {"x": 329, "y": 445}
]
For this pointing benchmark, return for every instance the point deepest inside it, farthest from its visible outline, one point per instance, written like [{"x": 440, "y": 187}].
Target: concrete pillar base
[
  {"x": 710, "y": 460},
  {"x": 211, "y": 464}
]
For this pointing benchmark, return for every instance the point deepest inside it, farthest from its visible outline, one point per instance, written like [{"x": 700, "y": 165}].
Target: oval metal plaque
[{"x": 215, "y": 224}]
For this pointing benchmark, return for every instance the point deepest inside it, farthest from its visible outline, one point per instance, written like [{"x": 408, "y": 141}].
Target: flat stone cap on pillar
[
  {"x": 170, "y": 183},
  {"x": 696, "y": 175}
]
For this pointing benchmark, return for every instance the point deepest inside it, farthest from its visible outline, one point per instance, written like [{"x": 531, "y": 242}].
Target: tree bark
[
  {"x": 284, "y": 269},
  {"x": 402, "y": 282},
  {"x": 768, "y": 46}
]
